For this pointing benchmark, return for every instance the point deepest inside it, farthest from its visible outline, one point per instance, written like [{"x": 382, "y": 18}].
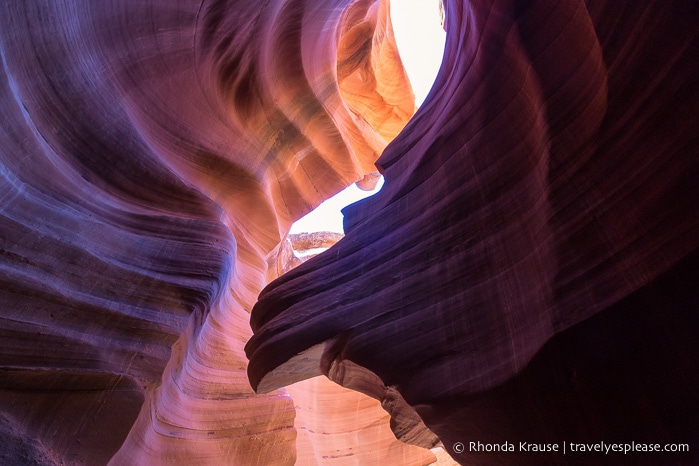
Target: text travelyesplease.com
[{"x": 572, "y": 447}]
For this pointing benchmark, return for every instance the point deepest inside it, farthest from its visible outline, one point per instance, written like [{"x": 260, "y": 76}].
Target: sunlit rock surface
[
  {"x": 528, "y": 271},
  {"x": 153, "y": 155},
  {"x": 300, "y": 247}
]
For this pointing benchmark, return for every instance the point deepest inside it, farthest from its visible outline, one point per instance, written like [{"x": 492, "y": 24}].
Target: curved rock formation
[
  {"x": 153, "y": 156},
  {"x": 526, "y": 274},
  {"x": 527, "y": 271}
]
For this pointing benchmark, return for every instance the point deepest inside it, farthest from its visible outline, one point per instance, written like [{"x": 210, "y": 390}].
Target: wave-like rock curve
[
  {"x": 153, "y": 156},
  {"x": 526, "y": 272}
]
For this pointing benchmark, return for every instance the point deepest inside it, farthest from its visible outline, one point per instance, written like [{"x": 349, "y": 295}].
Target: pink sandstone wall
[{"x": 527, "y": 273}]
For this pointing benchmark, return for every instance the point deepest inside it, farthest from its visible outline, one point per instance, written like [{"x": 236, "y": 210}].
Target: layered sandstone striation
[
  {"x": 153, "y": 156},
  {"x": 528, "y": 271}
]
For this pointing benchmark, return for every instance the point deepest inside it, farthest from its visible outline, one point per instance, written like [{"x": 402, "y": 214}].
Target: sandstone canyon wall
[
  {"x": 527, "y": 272},
  {"x": 154, "y": 155}
]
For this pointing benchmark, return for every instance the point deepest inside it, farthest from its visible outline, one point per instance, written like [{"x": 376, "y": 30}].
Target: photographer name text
[{"x": 569, "y": 447}]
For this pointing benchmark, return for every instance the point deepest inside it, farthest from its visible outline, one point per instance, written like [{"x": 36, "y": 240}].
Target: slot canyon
[{"x": 528, "y": 272}]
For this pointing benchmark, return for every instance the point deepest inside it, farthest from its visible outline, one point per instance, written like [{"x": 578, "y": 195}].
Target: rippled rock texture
[
  {"x": 153, "y": 157},
  {"x": 527, "y": 272}
]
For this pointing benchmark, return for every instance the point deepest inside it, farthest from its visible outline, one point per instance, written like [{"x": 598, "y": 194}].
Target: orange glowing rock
[
  {"x": 527, "y": 273},
  {"x": 155, "y": 155}
]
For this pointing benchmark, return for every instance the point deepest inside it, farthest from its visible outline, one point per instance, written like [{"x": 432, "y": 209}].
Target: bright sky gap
[{"x": 420, "y": 38}]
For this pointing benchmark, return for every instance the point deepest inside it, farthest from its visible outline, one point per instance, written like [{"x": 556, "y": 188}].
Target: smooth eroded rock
[{"x": 524, "y": 274}]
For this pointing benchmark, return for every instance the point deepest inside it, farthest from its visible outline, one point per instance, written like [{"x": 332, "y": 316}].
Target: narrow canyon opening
[
  {"x": 526, "y": 272},
  {"x": 420, "y": 36}
]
